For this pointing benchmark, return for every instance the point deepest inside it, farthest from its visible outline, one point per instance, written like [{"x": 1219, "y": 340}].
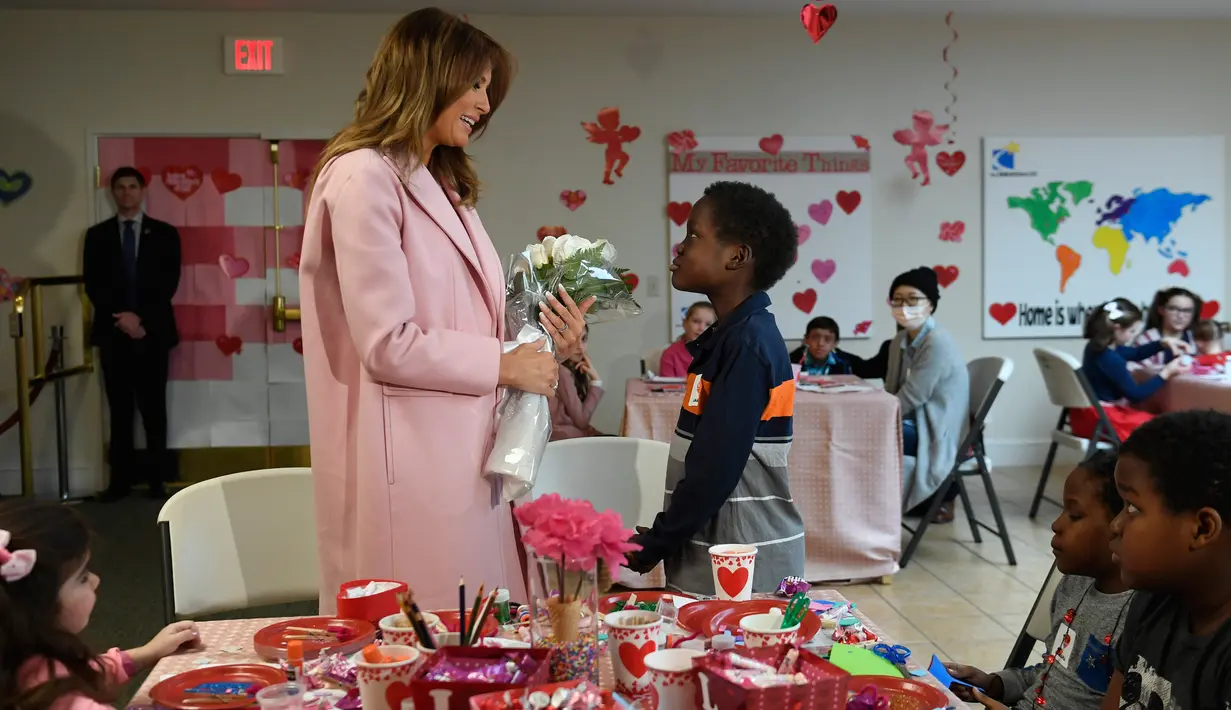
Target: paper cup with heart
[
  {"x": 631, "y": 636},
  {"x": 733, "y": 568},
  {"x": 762, "y": 630},
  {"x": 673, "y": 677},
  {"x": 384, "y": 685},
  {"x": 395, "y": 629}
]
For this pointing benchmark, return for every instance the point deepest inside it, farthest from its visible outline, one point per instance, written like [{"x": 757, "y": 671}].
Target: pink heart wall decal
[
  {"x": 821, "y": 211},
  {"x": 823, "y": 270},
  {"x": 233, "y": 266},
  {"x": 804, "y": 232}
]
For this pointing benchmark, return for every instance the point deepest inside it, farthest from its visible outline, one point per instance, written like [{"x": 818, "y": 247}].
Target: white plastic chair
[
  {"x": 237, "y": 541},
  {"x": 626, "y": 475},
  {"x": 1038, "y": 624},
  {"x": 1068, "y": 388},
  {"x": 652, "y": 359}
]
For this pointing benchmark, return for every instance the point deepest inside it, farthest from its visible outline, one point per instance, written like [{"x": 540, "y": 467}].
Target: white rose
[
  {"x": 609, "y": 251},
  {"x": 566, "y": 246},
  {"x": 548, "y": 243},
  {"x": 538, "y": 255}
]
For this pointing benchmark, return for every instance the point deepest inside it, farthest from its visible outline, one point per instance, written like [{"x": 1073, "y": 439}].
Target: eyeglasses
[
  {"x": 1180, "y": 311},
  {"x": 912, "y": 301}
]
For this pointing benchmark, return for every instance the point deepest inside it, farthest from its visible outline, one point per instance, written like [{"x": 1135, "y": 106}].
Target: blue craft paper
[
  {"x": 940, "y": 673},
  {"x": 918, "y": 672}
]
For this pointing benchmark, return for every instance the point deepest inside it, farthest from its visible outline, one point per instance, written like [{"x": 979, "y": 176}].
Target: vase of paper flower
[{"x": 567, "y": 542}]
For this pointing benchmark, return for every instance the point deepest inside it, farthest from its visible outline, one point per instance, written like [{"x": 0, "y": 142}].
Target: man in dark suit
[{"x": 132, "y": 269}]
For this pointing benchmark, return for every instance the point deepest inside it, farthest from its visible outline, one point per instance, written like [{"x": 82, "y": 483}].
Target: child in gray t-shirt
[{"x": 1087, "y": 610}]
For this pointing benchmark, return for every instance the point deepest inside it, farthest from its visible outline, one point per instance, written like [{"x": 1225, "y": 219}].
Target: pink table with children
[
  {"x": 845, "y": 460},
  {"x": 1187, "y": 392}
]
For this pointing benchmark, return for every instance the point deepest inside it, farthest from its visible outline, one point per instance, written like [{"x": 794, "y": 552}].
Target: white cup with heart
[
  {"x": 385, "y": 683},
  {"x": 673, "y": 677},
  {"x": 762, "y": 630},
  {"x": 632, "y": 636},
  {"x": 733, "y": 569}
]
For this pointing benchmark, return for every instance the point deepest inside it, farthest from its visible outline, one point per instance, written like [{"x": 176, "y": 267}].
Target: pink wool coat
[{"x": 402, "y": 299}]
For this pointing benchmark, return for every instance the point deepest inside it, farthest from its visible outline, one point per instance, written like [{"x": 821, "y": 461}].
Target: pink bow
[{"x": 14, "y": 565}]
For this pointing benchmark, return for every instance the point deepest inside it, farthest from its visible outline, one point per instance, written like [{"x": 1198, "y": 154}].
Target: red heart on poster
[
  {"x": 550, "y": 231},
  {"x": 681, "y": 141},
  {"x": 633, "y": 657},
  {"x": 946, "y": 275},
  {"x": 183, "y": 182},
  {"x": 679, "y": 211},
  {"x": 297, "y": 343},
  {"x": 733, "y": 581},
  {"x": 818, "y": 20},
  {"x": 233, "y": 266},
  {"x": 950, "y": 163},
  {"x": 771, "y": 144},
  {"x": 952, "y": 231},
  {"x": 293, "y": 261},
  {"x": 573, "y": 199},
  {"x": 226, "y": 181},
  {"x": 396, "y": 693},
  {"x": 229, "y": 344},
  {"x": 862, "y": 327},
  {"x": 1002, "y": 312},
  {"x": 1179, "y": 266},
  {"x": 631, "y": 280},
  {"x": 848, "y": 201},
  {"x": 805, "y": 301},
  {"x": 1209, "y": 309}
]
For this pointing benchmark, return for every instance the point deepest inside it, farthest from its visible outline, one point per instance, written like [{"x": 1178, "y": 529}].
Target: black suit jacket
[{"x": 158, "y": 277}]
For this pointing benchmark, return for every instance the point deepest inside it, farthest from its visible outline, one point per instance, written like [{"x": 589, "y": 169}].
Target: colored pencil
[
  {"x": 411, "y": 610},
  {"x": 461, "y": 611},
  {"x": 468, "y": 628},
  {"x": 476, "y": 629}
]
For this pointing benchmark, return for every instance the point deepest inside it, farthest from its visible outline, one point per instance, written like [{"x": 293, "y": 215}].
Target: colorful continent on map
[
  {"x": 1051, "y": 204},
  {"x": 1149, "y": 215}
]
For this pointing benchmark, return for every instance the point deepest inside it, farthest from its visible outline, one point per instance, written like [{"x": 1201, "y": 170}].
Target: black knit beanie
[{"x": 921, "y": 278}]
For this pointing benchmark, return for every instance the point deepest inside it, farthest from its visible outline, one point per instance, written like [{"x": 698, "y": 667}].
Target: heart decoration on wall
[
  {"x": 182, "y": 181},
  {"x": 14, "y": 186},
  {"x": 952, "y": 231},
  {"x": 803, "y": 232},
  {"x": 950, "y": 163},
  {"x": 849, "y": 201},
  {"x": 225, "y": 180},
  {"x": 1002, "y": 313},
  {"x": 293, "y": 261},
  {"x": 824, "y": 269},
  {"x": 233, "y": 266},
  {"x": 861, "y": 328},
  {"x": 945, "y": 275},
  {"x": 631, "y": 280},
  {"x": 681, "y": 141},
  {"x": 1209, "y": 309},
  {"x": 546, "y": 231},
  {"x": 817, "y": 19},
  {"x": 229, "y": 344},
  {"x": 820, "y": 212},
  {"x": 771, "y": 144},
  {"x": 679, "y": 211},
  {"x": 861, "y": 143},
  {"x": 573, "y": 199},
  {"x": 805, "y": 300},
  {"x": 297, "y": 344}
]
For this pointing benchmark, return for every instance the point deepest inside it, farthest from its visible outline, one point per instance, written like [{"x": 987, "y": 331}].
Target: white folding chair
[
  {"x": 651, "y": 360},
  {"x": 1068, "y": 388},
  {"x": 987, "y": 377},
  {"x": 1038, "y": 624},
  {"x": 626, "y": 475},
  {"x": 237, "y": 541}
]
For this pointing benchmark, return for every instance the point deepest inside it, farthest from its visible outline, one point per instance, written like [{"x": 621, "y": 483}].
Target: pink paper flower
[{"x": 573, "y": 532}]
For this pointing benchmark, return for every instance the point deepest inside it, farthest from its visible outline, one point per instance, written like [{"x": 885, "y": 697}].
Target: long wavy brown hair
[
  {"x": 30, "y": 608},
  {"x": 425, "y": 63}
]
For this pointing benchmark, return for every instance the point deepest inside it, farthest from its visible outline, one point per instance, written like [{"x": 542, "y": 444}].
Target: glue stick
[{"x": 294, "y": 660}]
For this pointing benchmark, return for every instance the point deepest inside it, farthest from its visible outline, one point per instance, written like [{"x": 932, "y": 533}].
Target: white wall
[{"x": 143, "y": 73}]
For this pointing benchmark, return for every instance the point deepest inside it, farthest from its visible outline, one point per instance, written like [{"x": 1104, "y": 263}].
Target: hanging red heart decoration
[{"x": 818, "y": 20}]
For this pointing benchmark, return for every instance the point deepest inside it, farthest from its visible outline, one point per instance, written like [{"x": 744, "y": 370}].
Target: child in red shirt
[{"x": 676, "y": 359}]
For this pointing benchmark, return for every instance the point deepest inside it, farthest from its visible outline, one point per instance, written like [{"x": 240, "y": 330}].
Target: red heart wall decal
[
  {"x": 1002, "y": 312},
  {"x": 633, "y": 656},
  {"x": 573, "y": 199},
  {"x": 952, "y": 231},
  {"x": 681, "y": 141},
  {"x": 293, "y": 261},
  {"x": 848, "y": 201},
  {"x": 950, "y": 163},
  {"x": 631, "y": 279},
  {"x": 805, "y": 301},
  {"x": 818, "y": 20},
  {"x": 551, "y": 231},
  {"x": 733, "y": 581},
  {"x": 679, "y": 211},
  {"x": 946, "y": 275},
  {"x": 1209, "y": 309},
  {"x": 396, "y": 693},
  {"x": 297, "y": 343},
  {"x": 229, "y": 344},
  {"x": 862, "y": 327},
  {"x": 226, "y": 181},
  {"x": 771, "y": 144},
  {"x": 183, "y": 182}
]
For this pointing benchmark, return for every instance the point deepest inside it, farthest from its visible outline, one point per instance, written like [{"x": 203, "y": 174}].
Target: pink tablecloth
[
  {"x": 1194, "y": 392},
  {"x": 846, "y": 473},
  {"x": 226, "y": 642}
]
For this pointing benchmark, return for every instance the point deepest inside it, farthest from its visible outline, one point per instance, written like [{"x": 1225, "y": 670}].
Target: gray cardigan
[{"x": 937, "y": 392}]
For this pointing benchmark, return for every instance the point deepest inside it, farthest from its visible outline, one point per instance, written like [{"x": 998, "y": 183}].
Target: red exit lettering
[{"x": 254, "y": 55}]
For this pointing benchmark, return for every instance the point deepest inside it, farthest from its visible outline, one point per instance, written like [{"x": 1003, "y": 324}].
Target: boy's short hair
[
  {"x": 1102, "y": 465},
  {"x": 747, "y": 214},
  {"x": 1188, "y": 455},
  {"x": 823, "y": 323},
  {"x": 127, "y": 171}
]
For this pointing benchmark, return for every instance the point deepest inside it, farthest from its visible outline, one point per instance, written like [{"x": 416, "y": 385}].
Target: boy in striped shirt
[{"x": 727, "y": 479}]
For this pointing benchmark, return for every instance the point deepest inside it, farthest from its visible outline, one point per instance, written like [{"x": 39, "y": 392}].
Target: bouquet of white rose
[{"x": 584, "y": 269}]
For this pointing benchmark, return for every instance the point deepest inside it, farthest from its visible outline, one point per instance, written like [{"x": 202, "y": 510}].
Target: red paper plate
[
  {"x": 270, "y": 642},
  {"x": 904, "y": 693},
  {"x": 728, "y": 619},
  {"x": 171, "y": 693},
  {"x": 696, "y": 616},
  {"x": 605, "y": 603},
  {"x": 449, "y": 617}
]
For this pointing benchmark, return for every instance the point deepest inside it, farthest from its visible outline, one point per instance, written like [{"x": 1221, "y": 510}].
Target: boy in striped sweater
[{"x": 727, "y": 479}]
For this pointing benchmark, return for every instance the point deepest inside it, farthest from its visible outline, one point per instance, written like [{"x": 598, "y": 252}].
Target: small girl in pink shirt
[
  {"x": 676, "y": 359},
  {"x": 47, "y": 593}
]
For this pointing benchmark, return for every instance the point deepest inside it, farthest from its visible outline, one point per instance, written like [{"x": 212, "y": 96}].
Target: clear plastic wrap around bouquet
[{"x": 584, "y": 269}]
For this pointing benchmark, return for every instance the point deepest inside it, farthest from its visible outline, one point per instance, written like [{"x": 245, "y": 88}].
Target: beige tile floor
[{"x": 962, "y": 600}]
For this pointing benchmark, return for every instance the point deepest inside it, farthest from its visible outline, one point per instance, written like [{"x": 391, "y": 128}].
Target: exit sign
[{"x": 252, "y": 55}]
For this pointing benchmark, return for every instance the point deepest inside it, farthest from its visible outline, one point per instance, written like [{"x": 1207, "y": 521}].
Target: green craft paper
[{"x": 857, "y": 660}]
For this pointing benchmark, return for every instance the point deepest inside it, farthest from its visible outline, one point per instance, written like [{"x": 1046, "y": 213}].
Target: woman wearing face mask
[{"x": 927, "y": 373}]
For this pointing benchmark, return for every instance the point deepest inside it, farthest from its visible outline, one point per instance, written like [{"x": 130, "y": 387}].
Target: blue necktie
[{"x": 130, "y": 261}]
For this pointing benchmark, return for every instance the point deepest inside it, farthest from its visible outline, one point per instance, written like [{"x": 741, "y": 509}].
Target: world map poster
[{"x": 1069, "y": 223}]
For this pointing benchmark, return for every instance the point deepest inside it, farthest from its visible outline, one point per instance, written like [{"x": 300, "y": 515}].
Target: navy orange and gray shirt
[{"x": 727, "y": 478}]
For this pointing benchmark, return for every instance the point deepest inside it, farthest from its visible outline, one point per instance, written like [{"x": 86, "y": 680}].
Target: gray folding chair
[
  {"x": 987, "y": 377},
  {"x": 1068, "y": 389},
  {"x": 1038, "y": 624}
]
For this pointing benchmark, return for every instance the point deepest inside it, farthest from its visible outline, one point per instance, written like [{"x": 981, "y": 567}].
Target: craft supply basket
[
  {"x": 457, "y": 695},
  {"x": 825, "y": 690}
]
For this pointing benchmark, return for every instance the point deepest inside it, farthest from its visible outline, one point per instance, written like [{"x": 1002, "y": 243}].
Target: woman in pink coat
[{"x": 403, "y": 309}]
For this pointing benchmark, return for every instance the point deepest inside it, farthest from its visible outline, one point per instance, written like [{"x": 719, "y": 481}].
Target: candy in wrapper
[
  {"x": 510, "y": 669},
  {"x": 868, "y": 699},
  {"x": 352, "y": 701},
  {"x": 791, "y": 586},
  {"x": 331, "y": 669}
]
